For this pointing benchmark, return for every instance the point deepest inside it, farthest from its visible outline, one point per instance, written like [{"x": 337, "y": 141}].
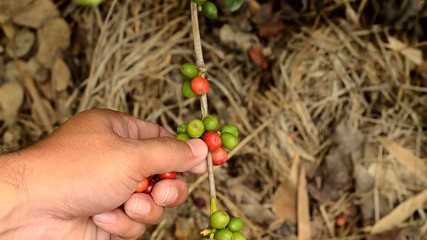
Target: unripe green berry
[
  {"x": 189, "y": 70},
  {"x": 238, "y": 236},
  {"x": 230, "y": 128},
  {"x": 186, "y": 89},
  {"x": 229, "y": 141},
  {"x": 195, "y": 128},
  {"x": 211, "y": 123},
  {"x": 219, "y": 220},
  {"x": 209, "y": 10},
  {"x": 235, "y": 225},
  {"x": 182, "y": 128},
  {"x": 182, "y": 136},
  {"x": 224, "y": 234}
]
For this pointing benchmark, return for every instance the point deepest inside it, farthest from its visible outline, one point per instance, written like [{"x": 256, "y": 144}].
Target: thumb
[{"x": 166, "y": 154}]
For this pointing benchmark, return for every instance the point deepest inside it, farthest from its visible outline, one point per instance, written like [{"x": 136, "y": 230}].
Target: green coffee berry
[
  {"x": 182, "y": 136},
  {"x": 195, "y": 128},
  {"x": 189, "y": 70},
  {"x": 238, "y": 236},
  {"x": 209, "y": 10},
  {"x": 211, "y": 123},
  {"x": 235, "y": 224},
  {"x": 182, "y": 128},
  {"x": 230, "y": 128},
  {"x": 186, "y": 89},
  {"x": 219, "y": 220},
  {"x": 229, "y": 141},
  {"x": 224, "y": 234}
]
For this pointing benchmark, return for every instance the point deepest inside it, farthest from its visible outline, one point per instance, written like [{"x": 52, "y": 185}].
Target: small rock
[
  {"x": 11, "y": 97},
  {"x": 11, "y": 73},
  {"x": 21, "y": 44},
  {"x": 8, "y": 8},
  {"x": 52, "y": 37},
  {"x": 36, "y": 13},
  {"x": 40, "y": 73},
  {"x": 61, "y": 75}
]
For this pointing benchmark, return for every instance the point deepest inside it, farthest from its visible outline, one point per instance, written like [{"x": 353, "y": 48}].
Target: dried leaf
[
  {"x": 406, "y": 158},
  {"x": 61, "y": 75},
  {"x": 304, "y": 228},
  {"x": 412, "y": 54},
  {"x": 21, "y": 44},
  {"x": 284, "y": 202},
  {"x": 400, "y": 213},
  {"x": 35, "y": 14},
  {"x": 236, "y": 39},
  {"x": 257, "y": 56}
]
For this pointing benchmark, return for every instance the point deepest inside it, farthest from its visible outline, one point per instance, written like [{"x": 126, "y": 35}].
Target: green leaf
[{"x": 234, "y": 5}]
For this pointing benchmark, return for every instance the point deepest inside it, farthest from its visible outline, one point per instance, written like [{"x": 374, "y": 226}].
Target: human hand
[{"x": 71, "y": 184}]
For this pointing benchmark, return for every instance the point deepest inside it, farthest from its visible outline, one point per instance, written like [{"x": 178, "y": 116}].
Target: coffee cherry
[
  {"x": 211, "y": 123},
  {"x": 238, "y": 236},
  {"x": 199, "y": 85},
  {"x": 230, "y": 128},
  {"x": 195, "y": 128},
  {"x": 88, "y": 2},
  {"x": 142, "y": 185},
  {"x": 186, "y": 89},
  {"x": 212, "y": 140},
  {"x": 182, "y": 136},
  {"x": 189, "y": 70},
  {"x": 200, "y": 2},
  {"x": 224, "y": 234},
  {"x": 229, "y": 141},
  {"x": 168, "y": 175},
  {"x": 210, "y": 10},
  {"x": 219, "y": 156},
  {"x": 150, "y": 186},
  {"x": 182, "y": 128},
  {"x": 235, "y": 224},
  {"x": 219, "y": 219}
]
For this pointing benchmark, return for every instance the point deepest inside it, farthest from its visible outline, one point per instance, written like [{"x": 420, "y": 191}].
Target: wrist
[{"x": 12, "y": 188}]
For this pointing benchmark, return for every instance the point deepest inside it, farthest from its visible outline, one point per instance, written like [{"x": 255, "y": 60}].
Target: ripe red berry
[
  {"x": 199, "y": 85},
  {"x": 168, "y": 175},
  {"x": 212, "y": 140},
  {"x": 149, "y": 187},
  {"x": 142, "y": 185},
  {"x": 219, "y": 156}
]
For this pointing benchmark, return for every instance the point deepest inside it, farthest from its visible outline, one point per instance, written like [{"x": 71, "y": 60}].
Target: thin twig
[{"x": 203, "y": 100}]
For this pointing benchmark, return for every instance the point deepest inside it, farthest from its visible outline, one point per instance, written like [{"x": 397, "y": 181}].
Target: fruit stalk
[{"x": 203, "y": 99}]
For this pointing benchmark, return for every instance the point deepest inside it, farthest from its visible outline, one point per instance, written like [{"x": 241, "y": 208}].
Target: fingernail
[
  {"x": 171, "y": 194},
  {"x": 107, "y": 217},
  {"x": 198, "y": 147},
  {"x": 140, "y": 208}
]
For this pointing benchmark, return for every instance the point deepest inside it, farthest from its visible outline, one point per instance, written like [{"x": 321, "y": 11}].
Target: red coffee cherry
[
  {"x": 199, "y": 85},
  {"x": 168, "y": 175},
  {"x": 212, "y": 140},
  {"x": 219, "y": 156}
]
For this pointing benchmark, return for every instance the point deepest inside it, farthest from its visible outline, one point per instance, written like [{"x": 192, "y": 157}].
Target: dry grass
[{"x": 320, "y": 78}]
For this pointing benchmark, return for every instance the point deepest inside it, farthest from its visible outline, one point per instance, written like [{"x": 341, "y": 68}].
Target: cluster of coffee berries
[
  {"x": 223, "y": 227},
  {"x": 208, "y": 8},
  {"x": 146, "y": 186},
  {"x": 218, "y": 142},
  {"x": 194, "y": 83}
]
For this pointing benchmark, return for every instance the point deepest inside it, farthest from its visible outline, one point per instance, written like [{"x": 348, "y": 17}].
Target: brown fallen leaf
[
  {"x": 36, "y": 13},
  {"x": 257, "y": 56},
  {"x": 304, "y": 226},
  {"x": 271, "y": 29},
  {"x": 61, "y": 76},
  {"x": 21, "y": 44},
  {"x": 400, "y": 213},
  {"x": 284, "y": 202},
  {"x": 406, "y": 158}
]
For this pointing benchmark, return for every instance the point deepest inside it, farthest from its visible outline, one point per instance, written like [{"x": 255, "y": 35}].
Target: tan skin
[{"x": 72, "y": 184}]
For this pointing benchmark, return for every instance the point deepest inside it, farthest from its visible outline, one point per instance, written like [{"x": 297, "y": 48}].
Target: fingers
[
  {"x": 141, "y": 207},
  {"x": 159, "y": 155},
  {"x": 117, "y": 223},
  {"x": 170, "y": 193}
]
